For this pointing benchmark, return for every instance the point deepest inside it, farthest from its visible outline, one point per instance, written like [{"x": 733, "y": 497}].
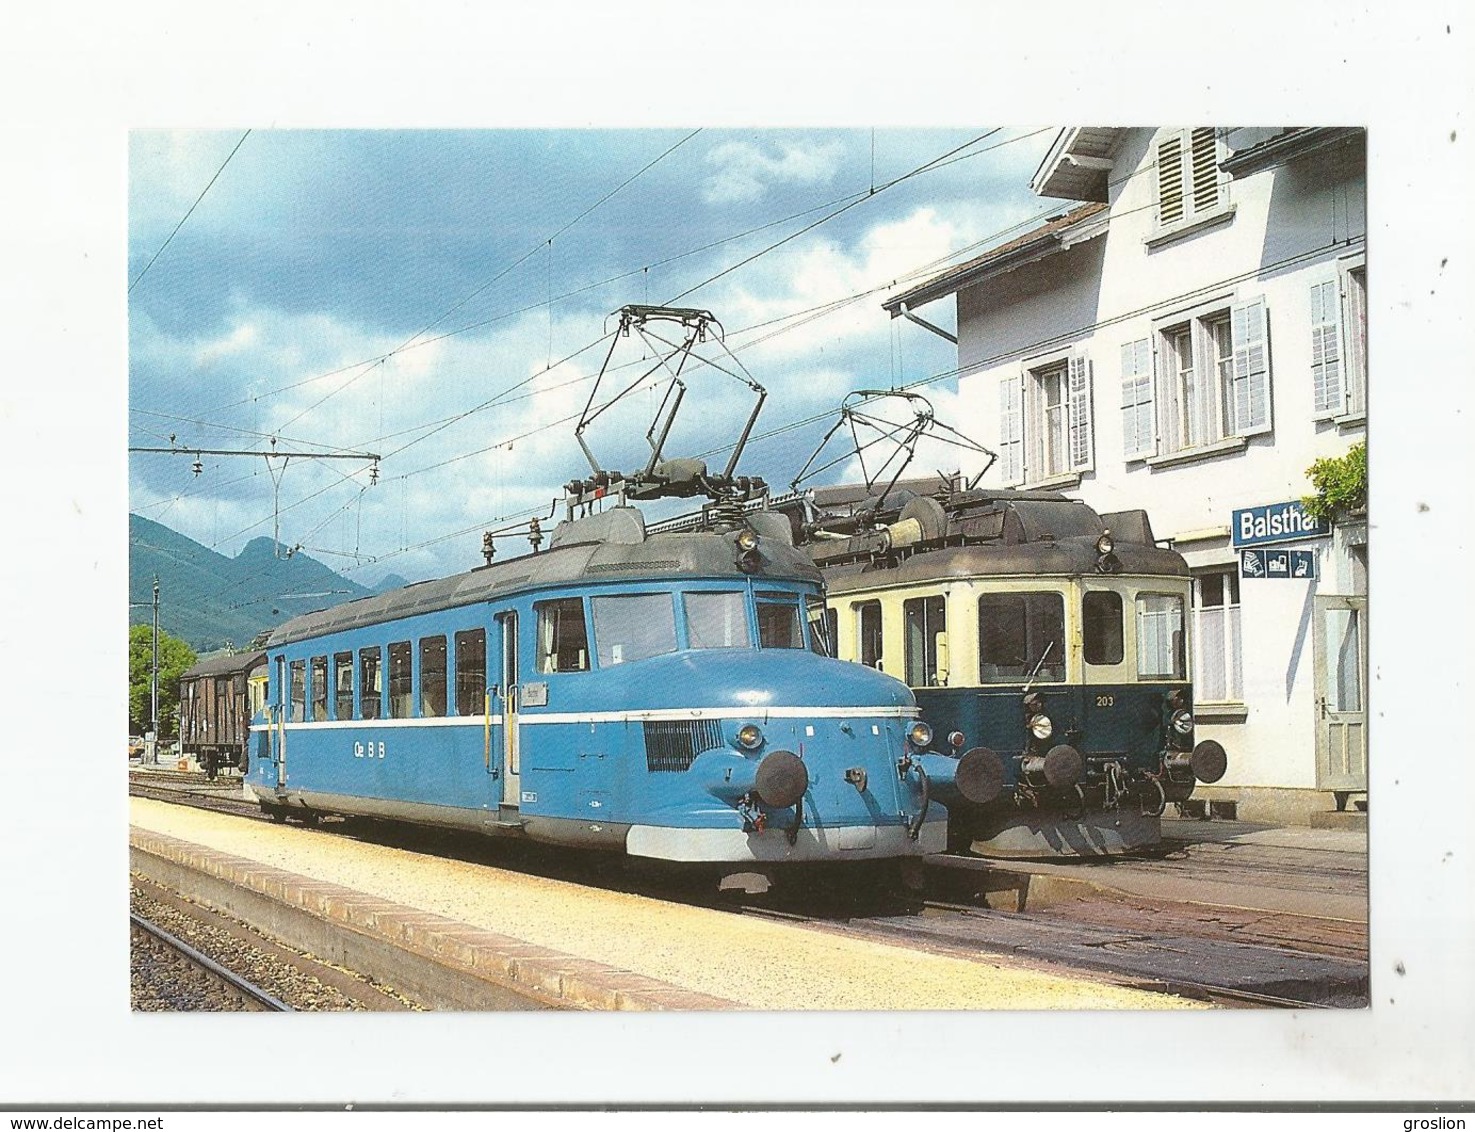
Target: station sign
[
  {"x": 1275, "y": 522},
  {"x": 1278, "y": 563}
]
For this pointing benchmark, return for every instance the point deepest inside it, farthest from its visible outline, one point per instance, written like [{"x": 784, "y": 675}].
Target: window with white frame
[
  {"x": 1189, "y": 184},
  {"x": 1217, "y": 654},
  {"x": 1210, "y": 380},
  {"x": 1045, "y": 419},
  {"x": 1338, "y": 317}
]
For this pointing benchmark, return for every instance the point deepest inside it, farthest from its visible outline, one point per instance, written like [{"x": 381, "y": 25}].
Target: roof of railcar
[
  {"x": 225, "y": 665},
  {"x": 605, "y": 547}
]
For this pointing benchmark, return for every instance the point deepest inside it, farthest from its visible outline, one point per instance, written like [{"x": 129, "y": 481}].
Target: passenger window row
[{"x": 309, "y": 686}]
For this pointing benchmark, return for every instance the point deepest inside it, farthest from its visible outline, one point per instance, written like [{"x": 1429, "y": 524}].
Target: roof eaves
[
  {"x": 1285, "y": 147},
  {"x": 1056, "y": 235}
]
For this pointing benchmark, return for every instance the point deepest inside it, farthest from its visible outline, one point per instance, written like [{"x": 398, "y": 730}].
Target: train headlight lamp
[
  {"x": 919, "y": 734},
  {"x": 1183, "y": 722},
  {"x": 1041, "y": 727},
  {"x": 750, "y": 736},
  {"x": 747, "y": 539},
  {"x": 1105, "y": 544}
]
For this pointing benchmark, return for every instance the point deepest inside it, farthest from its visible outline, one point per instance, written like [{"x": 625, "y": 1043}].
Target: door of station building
[
  {"x": 1340, "y": 653},
  {"x": 511, "y": 692}
]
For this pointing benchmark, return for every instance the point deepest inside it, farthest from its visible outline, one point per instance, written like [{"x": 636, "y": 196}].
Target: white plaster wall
[{"x": 1290, "y": 227}]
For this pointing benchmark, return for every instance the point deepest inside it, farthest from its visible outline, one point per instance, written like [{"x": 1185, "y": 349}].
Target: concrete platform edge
[{"x": 442, "y": 963}]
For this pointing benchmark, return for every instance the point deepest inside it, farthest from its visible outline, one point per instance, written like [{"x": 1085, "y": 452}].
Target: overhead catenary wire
[{"x": 189, "y": 213}]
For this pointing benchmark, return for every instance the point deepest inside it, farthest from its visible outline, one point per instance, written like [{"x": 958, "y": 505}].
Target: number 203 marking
[
  {"x": 1101, "y": 701},
  {"x": 368, "y": 751}
]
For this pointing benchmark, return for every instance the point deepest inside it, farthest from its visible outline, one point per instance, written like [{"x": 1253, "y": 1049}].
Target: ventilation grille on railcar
[{"x": 672, "y": 745}]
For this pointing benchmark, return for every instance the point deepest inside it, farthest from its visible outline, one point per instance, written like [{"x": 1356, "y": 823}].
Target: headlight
[
  {"x": 1105, "y": 544},
  {"x": 747, "y": 539},
  {"x": 1041, "y": 727},
  {"x": 920, "y": 734},
  {"x": 750, "y": 736},
  {"x": 1183, "y": 722}
]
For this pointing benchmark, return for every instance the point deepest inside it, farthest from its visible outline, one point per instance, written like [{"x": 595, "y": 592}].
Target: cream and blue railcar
[
  {"x": 1036, "y": 634},
  {"x": 661, "y": 694}
]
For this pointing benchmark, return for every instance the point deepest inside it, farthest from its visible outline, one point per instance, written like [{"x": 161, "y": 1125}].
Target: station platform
[{"x": 575, "y": 946}]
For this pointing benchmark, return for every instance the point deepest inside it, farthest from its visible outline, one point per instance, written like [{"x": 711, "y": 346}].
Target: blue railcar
[
  {"x": 659, "y": 693},
  {"x": 1042, "y": 637}
]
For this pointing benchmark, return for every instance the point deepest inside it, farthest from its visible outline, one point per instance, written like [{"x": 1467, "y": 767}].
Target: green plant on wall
[{"x": 1341, "y": 485}]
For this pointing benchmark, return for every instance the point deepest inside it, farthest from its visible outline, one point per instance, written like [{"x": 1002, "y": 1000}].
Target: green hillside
[{"x": 209, "y": 599}]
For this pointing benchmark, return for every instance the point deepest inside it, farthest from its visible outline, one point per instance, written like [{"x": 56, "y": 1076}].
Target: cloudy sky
[{"x": 442, "y": 298}]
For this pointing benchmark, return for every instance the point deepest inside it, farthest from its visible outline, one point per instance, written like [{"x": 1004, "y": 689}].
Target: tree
[
  {"x": 174, "y": 657},
  {"x": 1341, "y": 485}
]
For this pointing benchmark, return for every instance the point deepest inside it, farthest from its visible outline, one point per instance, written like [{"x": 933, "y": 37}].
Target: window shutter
[
  {"x": 1170, "y": 180},
  {"x": 1011, "y": 431},
  {"x": 1250, "y": 329},
  {"x": 1138, "y": 434},
  {"x": 1082, "y": 447},
  {"x": 1205, "y": 169},
  {"x": 1326, "y": 360}
]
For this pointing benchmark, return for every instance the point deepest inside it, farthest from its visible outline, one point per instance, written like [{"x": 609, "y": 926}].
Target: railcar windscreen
[
  {"x": 1102, "y": 632},
  {"x": 1160, "y": 652},
  {"x": 716, "y": 620},
  {"x": 633, "y": 627},
  {"x": 778, "y": 622},
  {"x": 1016, "y": 633}
]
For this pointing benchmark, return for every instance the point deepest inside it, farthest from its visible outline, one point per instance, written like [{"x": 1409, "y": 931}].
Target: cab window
[
  {"x": 1160, "y": 652},
  {"x": 868, "y": 632},
  {"x": 1021, "y": 635},
  {"x": 778, "y": 622},
  {"x": 821, "y": 625},
  {"x": 716, "y": 620},
  {"x": 924, "y": 621},
  {"x": 1101, "y": 627},
  {"x": 563, "y": 640},
  {"x": 633, "y": 626}
]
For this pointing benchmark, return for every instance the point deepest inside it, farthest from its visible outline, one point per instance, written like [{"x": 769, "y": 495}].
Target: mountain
[{"x": 208, "y": 599}]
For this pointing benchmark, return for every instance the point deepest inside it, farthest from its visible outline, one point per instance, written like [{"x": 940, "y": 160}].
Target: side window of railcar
[
  {"x": 400, "y": 680},
  {"x": 633, "y": 626},
  {"x": 1160, "y": 651},
  {"x": 563, "y": 639},
  {"x": 1101, "y": 627},
  {"x": 821, "y": 625},
  {"x": 1016, "y": 632},
  {"x": 343, "y": 685},
  {"x": 716, "y": 620},
  {"x": 432, "y": 677},
  {"x": 297, "y": 698},
  {"x": 868, "y": 633},
  {"x": 778, "y": 622},
  {"x": 925, "y": 620},
  {"x": 319, "y": 689},
  {"x": 369, "y": 683},
  {"x": 471, "y": 672}
]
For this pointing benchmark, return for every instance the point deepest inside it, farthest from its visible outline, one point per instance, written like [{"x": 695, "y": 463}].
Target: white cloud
[{"x": 744, "y": 170}]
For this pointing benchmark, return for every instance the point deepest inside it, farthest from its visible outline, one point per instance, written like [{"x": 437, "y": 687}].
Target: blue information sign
[
  {"x": 1278, "y": 563},
  {"x": 1274, "y": 522}
]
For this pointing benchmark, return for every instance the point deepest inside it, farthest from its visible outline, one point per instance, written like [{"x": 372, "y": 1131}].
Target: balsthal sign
[{"x": 1275, "y": 522}]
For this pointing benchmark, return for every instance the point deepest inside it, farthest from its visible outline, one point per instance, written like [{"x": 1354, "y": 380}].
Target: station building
[{"x": 1187, "y": 336}]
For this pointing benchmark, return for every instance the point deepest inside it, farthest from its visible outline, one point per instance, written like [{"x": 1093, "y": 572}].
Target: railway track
[
  {"x": 169, "y": 974},
  {"x": 1228, "y": 956}
]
